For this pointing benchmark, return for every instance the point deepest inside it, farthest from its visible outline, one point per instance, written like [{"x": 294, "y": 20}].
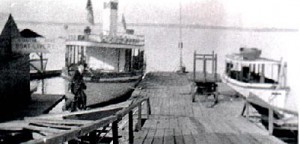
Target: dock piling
[
  {"x": 130, "y": 127},
  {"x": 115, "y": 132}
]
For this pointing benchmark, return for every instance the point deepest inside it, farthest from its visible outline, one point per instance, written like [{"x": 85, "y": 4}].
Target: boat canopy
[{"x": 238, "y": 58}]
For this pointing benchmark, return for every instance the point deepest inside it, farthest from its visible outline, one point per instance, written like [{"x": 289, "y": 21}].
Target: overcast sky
[{"x": 234, "y": 13}]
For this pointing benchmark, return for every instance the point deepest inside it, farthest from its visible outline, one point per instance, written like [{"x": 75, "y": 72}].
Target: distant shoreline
[{"x": 185, "y": 26}]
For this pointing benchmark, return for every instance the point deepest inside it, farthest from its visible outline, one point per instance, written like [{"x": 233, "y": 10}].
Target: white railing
[{"x": 125, "y": 39}]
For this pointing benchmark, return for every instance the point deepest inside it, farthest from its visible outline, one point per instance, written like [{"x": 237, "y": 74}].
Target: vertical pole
[
  {"x": 180, "y": 37},
  {"x": 93, "y": 137},
  {"x": 42, "y": 64},
  {"x": 262, "y": 76},
  {"x": 130, "y": 127},
  {"x": 115, "y": 132},
  {"x": 216, "y": 67},
  {"x": 66, "y": 56},
  {"x": 139, "y": 124},
  {"x": 270, "y": 121},
  {"x": 81, "y": 53},
  {"x": 204, "y": 68},
  {"x": 279, "y": 72},
  {"x": 70, "y": 55},
  {"x": 213, "y": 62},
  {"x": 118, "y": 65},
  {"x": 284, "y": 74},
  {"x": 247, "y": 109},
  {"x": 148, "y": 108},
  {"x": 194, "y": 71},
  {"x": 73, "y": 50}
]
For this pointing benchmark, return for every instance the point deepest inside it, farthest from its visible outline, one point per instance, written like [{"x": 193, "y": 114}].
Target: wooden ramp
[{"x": 176, "y": 119}]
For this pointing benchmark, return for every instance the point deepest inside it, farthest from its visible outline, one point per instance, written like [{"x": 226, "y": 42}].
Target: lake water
[{"x": 162, "y": 52}]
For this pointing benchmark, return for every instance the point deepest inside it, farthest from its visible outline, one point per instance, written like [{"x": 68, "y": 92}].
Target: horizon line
[{"x": 186, "y": 26}]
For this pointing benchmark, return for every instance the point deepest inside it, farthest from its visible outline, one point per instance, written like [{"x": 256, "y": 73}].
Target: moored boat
[
  {"x": 246, "y": 72},
  {"x": 115, "y": 59}
]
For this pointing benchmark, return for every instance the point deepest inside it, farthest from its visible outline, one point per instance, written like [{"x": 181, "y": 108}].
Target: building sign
[{"x": 30, "y": 45}]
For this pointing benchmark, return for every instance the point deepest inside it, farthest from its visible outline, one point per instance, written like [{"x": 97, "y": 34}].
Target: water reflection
[{"x": 49, "y": 86}]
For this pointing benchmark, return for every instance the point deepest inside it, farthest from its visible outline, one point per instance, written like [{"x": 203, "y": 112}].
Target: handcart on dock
[{"x": 205, "y": 82}]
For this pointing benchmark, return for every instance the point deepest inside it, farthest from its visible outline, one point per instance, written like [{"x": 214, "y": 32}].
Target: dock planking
[{"x": 176, "y": 119}]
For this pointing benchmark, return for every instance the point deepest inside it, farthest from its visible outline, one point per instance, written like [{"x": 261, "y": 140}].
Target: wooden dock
[{"x": 176, "y": 119}]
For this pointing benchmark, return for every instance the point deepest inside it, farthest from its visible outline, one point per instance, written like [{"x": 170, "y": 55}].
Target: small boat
[
  {"x": 115, "y": 59},
  {"x": 262, "y": 82},
  {"x": 246, "y": 72}
]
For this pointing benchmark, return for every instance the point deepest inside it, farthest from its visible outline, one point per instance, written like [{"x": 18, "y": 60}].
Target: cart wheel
[{"x": 216, "y": 97}]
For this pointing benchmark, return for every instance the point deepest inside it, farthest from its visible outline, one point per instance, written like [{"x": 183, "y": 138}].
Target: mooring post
[
  {"x": 115, "y": 132},
  {"x": 130, "y": 127},
  {"x": 139, "y": 124},
  {"x": 270, "y": 121}
]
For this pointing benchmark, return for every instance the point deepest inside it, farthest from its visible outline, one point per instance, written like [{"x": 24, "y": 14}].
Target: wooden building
[{"x": 14, "y": 70}]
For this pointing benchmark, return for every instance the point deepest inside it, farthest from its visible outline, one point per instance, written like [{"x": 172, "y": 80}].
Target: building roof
[
  {"x": 10, "y": 28},
  {"x": 28, "y": 33}
]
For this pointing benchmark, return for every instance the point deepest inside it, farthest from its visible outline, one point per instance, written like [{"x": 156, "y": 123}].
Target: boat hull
[
  {"x": 107, "y": 90},
  {"x": 267, "y": 92}
]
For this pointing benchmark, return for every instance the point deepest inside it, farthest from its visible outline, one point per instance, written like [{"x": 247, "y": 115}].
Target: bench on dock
[
  {"x": 274, "y": 114},
  {"x": 56, "y": 129}
]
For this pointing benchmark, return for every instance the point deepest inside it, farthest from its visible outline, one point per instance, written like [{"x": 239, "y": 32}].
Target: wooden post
[
  {"x": 262, "y": 76},
  {"x": 270, "y": 121},
  {"x": 130, "y": 127},
  {"x": 193, "y": 91},
  {"x": 73, "y": 50},
  {"x": 42, "y": 63},
  {"x": 148, "y": 108},
  {"x": 115, "y": 132},
  {"x": 213, "y": 62},
  {"x": 194, "y": 71},
  {"x": 279, "y": 72},
  {"x": 93, "y": 137},
  {"x": 118, "y": 64},
  {"x": 247, "y": 109},
  {"x": 67, "y": 56},
  {"x": 216, "y": 67},
  {"x": 139, "y": 123},
  {"x": 284, "y": 74}
]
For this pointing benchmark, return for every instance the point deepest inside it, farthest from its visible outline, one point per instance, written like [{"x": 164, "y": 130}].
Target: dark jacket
[{"x": 77, "y": 82}]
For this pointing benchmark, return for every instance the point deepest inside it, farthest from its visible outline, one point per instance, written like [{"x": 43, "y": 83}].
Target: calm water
[{"x": 162, "y": 53}]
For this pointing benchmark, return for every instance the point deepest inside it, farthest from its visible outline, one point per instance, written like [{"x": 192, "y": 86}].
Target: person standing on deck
[{"x": 77, "y": 87}]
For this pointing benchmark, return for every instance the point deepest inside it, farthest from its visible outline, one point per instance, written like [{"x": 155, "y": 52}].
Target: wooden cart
[{"x": 205, "y": 83}]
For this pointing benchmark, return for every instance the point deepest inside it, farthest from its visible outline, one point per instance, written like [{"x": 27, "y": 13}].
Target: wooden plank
[
  {"x": 169, "y": 136},
  {"x": 47, "y": 125},
  {"x": 178, "y": 136},
  {"x": 140, "y": 136},
  {"x": 150, "y": 136},
  {"x": 159, "y": 136},
  {"x": 71, "y": 134},
  {"x": 43, "y": 129},
  {"x": 58, "y": 122}
]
